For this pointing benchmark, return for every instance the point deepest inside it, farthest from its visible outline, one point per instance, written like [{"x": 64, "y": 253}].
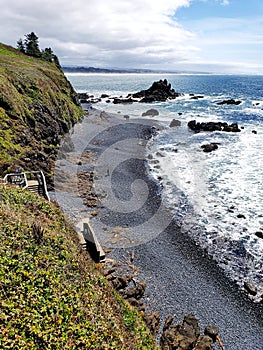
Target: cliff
[
  {"x": 52, "y": 294},
  {"x": 37, "y": 106}
]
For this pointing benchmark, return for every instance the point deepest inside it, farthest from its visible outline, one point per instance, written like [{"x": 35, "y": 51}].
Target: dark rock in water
[
  {"x": 231, "y": 209},
  {"x": 209, "y": 147},
  {"x": 213, "y": 126},
  {"x": 104, "y": 96},
  {"x": 123, "y": 100},
  {"x": 254, "y": 132},
  {"x": 175, "y": 123},
  {"x": 259, "y": 234},
  {"x": 250, "y": 288},
  {"x": 229, "y": 102},
  {"x": 151, "y": 112},
  {"x": 231, "y": 128},
  {"x": 241, "y": 216},
  {"x": 159, "y": 91},
  {"x": 196, "y": 97},
  {"x": 84, "y": 96}
]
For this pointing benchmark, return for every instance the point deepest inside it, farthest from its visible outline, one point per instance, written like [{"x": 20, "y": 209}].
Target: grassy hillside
[
  {"x": 52, "y": 297},
  {"x": 37, "y": 106},
  {"x": 51, "y": 294}
]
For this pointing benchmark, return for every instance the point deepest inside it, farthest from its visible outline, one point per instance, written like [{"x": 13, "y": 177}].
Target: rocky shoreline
[
  {"x": 183, "y": 336},
  {"x": 180, "y": 278}
]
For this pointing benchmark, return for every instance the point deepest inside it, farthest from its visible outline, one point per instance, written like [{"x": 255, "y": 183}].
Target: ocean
[{"x": 216, "y": 197}]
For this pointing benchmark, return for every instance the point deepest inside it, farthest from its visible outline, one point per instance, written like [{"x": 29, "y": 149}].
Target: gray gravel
[{"x": 180, "y": 277}]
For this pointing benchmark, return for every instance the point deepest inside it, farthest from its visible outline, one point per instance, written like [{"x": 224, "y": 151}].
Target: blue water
[{"x": 206, "y": 192}]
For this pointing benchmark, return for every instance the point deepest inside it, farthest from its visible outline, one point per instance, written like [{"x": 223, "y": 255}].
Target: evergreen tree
[
  {"x": 21, "y": 46},
  {"x": 31, "y": 45},
  {"x": 47, "y": 54}
]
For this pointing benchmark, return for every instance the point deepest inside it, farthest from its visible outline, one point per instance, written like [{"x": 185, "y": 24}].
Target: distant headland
[{"x": 81, "y": 69}]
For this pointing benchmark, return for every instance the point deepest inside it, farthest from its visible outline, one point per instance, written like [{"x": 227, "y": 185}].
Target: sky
[{"x": 218, "y": 36}]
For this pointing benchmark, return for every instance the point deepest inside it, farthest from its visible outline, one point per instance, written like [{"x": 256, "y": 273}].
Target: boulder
[
  {"x": 212, "y": 331},
  {"x": 151, "y": 112},
  {"x": 259, "y": 234},
  {"x": 241, "y": 216},
  {"x": 175, "y": 123},
  {"x": 209, "y": 147}
]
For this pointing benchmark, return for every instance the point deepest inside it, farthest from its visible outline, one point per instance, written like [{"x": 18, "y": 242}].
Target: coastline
[{"x": 180, "y": 277}]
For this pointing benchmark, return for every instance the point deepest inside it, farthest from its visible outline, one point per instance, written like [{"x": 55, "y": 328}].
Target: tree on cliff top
[
  {"x": 31, "y": 45},
  {"x": 21, "y": 46}
]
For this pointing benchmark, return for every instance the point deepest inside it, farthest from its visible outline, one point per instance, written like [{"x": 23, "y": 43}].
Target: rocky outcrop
[
  {"x": 86, "y": 98},
  {"x": 229, "y": 102},
  {"x": 187, "y": 335},
  {"x": 213, "y": 126},
  {"x": 160, "y": 91},
  {"x": 122, "y": 278}
]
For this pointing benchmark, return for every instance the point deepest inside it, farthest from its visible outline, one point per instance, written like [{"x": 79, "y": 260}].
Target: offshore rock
[
  {"x": 160, "y": 91},
  {"x": 229, "y": 102},
  {"x": 209, "y": 147},
  {"x": 118, "y": 100},
  {"x": 213, "y": 126}
]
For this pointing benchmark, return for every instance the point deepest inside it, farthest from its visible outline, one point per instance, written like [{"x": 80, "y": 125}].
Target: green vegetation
[
  {"x": 52, "y": 296},
  {"x": 37, "y": 106},
  {"x": 30, "y": 47}
]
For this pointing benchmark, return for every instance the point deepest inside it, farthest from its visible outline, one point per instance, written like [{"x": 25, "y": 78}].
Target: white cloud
[
  {"x": 225, "y": 2},
  {"x": 102, "y": 30},
  {"x": 131, "y": 33}
]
